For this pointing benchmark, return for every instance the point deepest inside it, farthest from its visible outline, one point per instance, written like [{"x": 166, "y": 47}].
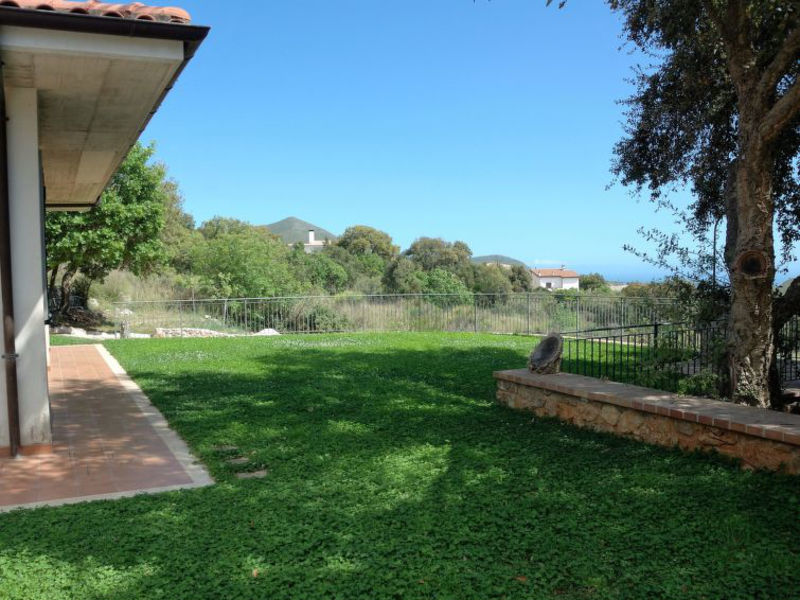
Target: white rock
[
  {"x": 97, "y": 335},
  {"x": 267, "y": 332},
  {"x": 190, "y": 332}
]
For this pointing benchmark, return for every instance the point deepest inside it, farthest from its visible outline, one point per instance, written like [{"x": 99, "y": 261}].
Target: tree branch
[
  {"x": 735, "y": 32},
  {"x": 785, "y": 57},
  {"x": 781, "y": 114}
]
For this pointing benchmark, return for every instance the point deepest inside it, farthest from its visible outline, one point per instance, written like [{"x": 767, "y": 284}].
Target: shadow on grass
[{"x": 393, "y": 475}]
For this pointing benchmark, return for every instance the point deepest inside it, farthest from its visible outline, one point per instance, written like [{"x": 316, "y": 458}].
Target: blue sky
[{"x": 488, "y": 122}]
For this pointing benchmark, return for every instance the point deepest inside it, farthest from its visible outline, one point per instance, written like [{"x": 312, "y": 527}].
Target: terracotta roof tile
[
  {"x": 134, "y": 10},
  {"x": 554, "y": 273}
]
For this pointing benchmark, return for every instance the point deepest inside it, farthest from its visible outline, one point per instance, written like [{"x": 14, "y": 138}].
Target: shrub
[{"x": 705, "y": 383}]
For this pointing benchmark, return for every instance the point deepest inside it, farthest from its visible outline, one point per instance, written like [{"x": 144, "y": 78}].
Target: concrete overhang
[{"x": 99, "y": 80}]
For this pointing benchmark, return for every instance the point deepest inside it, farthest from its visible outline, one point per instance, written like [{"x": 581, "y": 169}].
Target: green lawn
[
  {"x": 392, "y": 474},
  {"x": 65, "y": 340}
]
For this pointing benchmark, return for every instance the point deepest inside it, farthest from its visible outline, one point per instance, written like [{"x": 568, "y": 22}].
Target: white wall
[
  {"x": 557, "y": 283},
  {"x": 26, "y": 264},
  {"x": 570, "y": 283}
]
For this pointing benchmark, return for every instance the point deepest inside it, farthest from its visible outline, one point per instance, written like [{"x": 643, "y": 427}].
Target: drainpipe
[{"x": 9, "y": 354}]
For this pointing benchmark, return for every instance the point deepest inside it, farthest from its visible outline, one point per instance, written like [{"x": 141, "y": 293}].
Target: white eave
[{"x": 96, "y": 92}]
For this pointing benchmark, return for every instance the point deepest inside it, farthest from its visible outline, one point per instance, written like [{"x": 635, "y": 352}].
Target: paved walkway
[{"x": 108, "y": 440}]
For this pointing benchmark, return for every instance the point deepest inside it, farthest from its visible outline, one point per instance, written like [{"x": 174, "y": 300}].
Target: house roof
[
  {"x": 563, "y": 273},
  {"x": 100, "y": 71},
  {"x": 134, "y": 10}
]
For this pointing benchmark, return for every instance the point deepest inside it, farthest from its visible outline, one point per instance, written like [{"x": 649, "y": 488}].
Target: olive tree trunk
[
  {"x": 750, "y": 254},
  {"x": 66, "y": 291}
]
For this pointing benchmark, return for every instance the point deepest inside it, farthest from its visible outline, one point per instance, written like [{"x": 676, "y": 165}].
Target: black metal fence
[
  {"x": 534, "y": 313},
  {"x": 676, "y": 357},
  {"x": 789, "y": 351}
]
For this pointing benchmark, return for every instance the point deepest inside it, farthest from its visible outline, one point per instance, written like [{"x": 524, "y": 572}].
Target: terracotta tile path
[{"x": 108, "y": 440}]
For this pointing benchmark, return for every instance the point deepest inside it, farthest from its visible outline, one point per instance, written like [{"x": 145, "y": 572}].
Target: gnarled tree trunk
[
  {"x": 750, "y": 253},
  {"x": 66, "y": 290}
]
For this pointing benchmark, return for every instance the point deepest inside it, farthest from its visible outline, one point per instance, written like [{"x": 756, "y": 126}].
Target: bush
[
  {"x": 324, "y": 319},
  {"x": 705, "y": 383}
]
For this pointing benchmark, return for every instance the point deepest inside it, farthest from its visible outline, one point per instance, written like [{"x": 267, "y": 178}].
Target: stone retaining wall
[{"x": 762, "y": 439}]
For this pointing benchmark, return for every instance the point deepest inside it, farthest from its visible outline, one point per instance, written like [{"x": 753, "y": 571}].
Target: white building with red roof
[{"x": 556, "y": 279}]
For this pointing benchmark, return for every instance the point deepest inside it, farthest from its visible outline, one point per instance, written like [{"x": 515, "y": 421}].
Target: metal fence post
[
  {"x": 529, "y": 313},
  {"x": 180, "y": 316},
  {"x": 655, "y": 341},
  {"x": 475, "y": 310}
]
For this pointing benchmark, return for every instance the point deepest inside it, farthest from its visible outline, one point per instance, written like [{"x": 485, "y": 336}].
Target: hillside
[
  {"x": 292, "y": 230},
  {"x": 497, "y": 258}
]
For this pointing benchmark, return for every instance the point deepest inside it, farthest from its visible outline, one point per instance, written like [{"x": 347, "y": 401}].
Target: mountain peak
[{"x": 292, "y": 230}]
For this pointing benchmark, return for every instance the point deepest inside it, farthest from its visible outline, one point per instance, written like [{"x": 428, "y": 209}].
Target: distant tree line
[{"x": 140, "y": 225}]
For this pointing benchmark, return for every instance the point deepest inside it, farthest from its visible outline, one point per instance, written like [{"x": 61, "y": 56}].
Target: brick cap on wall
[{"x": 758, "y": 422}]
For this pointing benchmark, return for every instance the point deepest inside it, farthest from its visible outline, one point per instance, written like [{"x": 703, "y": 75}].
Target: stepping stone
[
  {"x": 225, "y": 448},
  {"x": 253, "y": 475},
  {"x": 243, "y": 460}
]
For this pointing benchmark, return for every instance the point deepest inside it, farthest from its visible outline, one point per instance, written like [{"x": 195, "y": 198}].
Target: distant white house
[
  {"x": 312, "y": 244},
  {"x": 556, "y": 279},
  {"x": 296, "y": 231}
]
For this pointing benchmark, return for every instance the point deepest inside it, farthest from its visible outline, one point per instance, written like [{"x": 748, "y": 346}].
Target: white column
[{"x": 26, "y": 265}]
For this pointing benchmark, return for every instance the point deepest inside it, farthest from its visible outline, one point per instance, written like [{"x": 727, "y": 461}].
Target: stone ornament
[{"x": 546, "y": 357}]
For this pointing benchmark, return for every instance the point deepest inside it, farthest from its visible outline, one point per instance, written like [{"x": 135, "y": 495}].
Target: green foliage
[
  {"x": 684, "y": 120},
  {"x": 394, "y": 474},
  {"x": 243, "y": 263},
  {"x": 123, "y": 286},
  {"x": 431, "y": 253},
  {"x": 121, "y": 232},
  {"x": 177, "y": 235},
  {"x": 705, "y": 384},
  {"x": 219, "y": 226},
  {"x": 717, "y": 108},
  {"x": 321, "y": 317},
  {"x": 594, "y": 282},
  {"x": 404, "y": 276},
  {"x": 364, "y": 271},
  {"x": 521, "y": 279},
  {"x": 317, "y": 271},
  {"x": 440, "y": 281},
  {"x": 702, "y": 303},
  {"x": 491, "y": 279},
  {"x": 361, "y": 240}
]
